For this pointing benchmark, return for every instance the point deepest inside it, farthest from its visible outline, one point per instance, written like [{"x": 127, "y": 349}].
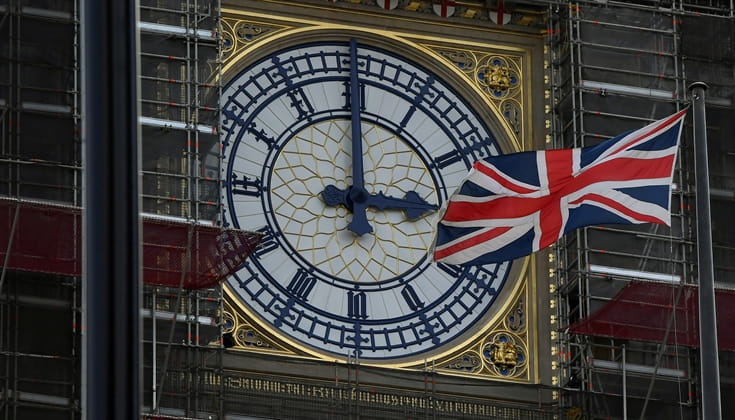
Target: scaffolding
[
  {"x": 613, "y": 67},
  {"x": 180, "y": 89},
  {"x": 40, "y": 159}
]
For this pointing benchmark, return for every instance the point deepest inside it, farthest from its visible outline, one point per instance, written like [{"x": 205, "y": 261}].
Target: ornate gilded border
[{"x": 507, "y": 348}]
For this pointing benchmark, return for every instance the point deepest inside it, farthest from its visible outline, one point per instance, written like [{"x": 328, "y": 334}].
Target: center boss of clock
[{"x": 340, "y": 153}]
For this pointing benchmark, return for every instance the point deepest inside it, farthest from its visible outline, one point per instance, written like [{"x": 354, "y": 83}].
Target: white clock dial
[{"x": 344, "y": 266}]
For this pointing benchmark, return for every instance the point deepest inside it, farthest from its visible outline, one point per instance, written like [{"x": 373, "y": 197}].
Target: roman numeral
[
  {"x": 346, "y": 94},
  {"x": 246, "y": 186},
  {"x": 301, "y": 103},
  {"x": 267, "y": 244},
  {"x": 412, "y": 298},
  {"x": 447, "y": 159},
  {"x": 301, "y": 284},
  {"x": 424, "y": 91},
  {"x": 261, "y": 135},
  {"x": 356, "y": 305},
  {"x": 452, "y": 270}
]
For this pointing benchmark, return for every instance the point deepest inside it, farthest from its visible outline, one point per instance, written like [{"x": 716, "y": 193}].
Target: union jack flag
[{"x": 512, "y": 205}]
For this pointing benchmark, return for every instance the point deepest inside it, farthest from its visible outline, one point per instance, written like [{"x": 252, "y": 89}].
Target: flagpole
[
  {"x": 110, "y": 283},
  {"x": 709, "y": 358}
]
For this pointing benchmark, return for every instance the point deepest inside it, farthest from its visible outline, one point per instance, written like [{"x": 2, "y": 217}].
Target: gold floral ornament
[
  {"x": 228, "y": 42},
  {"x": 516, "y": 319}
]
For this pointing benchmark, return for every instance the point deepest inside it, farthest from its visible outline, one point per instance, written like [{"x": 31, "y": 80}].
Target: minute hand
[{"x": 359, "y": 224}]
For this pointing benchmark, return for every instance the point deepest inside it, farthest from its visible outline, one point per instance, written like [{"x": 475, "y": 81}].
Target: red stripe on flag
[
  {"x": 617, "y": 206},
  {"x": 623, "y": 169},
  {"x": 559, "y": 170},
  {"x": 494, "y": 175},
  {"x": 665, "y": 126},
  {"x": 461, "y": 246}
]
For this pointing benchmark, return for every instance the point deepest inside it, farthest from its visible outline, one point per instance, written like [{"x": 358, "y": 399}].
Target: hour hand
[
  {"x": 412, "y": 204},
  {"x": 334, "y": 196}
]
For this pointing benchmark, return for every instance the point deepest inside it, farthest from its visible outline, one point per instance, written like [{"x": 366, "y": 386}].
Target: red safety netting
[
  {"x": 642, "y": 310},
  {"x": 47, "y": 238},
  {"x": 215, "y": 253}
]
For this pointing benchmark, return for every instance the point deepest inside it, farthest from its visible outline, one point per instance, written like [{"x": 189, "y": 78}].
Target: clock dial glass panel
[{"x": 287, "y": 122}]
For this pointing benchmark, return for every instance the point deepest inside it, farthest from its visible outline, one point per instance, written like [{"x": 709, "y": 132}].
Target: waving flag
[{"x": 512, "y": 205}]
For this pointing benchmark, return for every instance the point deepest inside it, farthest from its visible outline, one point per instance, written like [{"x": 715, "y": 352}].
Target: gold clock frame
[{"x": 497, "y": 79}]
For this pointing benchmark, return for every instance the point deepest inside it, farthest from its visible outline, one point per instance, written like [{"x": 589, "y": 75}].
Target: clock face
[{"x": 341, "y": 153}]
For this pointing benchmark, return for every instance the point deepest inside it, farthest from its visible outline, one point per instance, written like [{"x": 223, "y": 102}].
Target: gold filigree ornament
[
  {"x": 516, "y": 319},
  {"x": 228, "y": 42},
  {"x": 247, "y": 32},
  {"x": 228, "y": 322},
  {"x": 464, "y": 60},
  {"x": 248, "y": 338},
  {"x": 470, "y": 362},
  {"x": 238, "y": 34},
  {"x": 505, "y": 354}
]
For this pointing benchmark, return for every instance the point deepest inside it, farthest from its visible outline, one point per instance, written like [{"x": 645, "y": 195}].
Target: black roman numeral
[
  {"x": 356, "y": 305},
  {"x": 412, "y": 298},
  {"x": 301, "y": 284},
  {"x": 246, "y": 186}
]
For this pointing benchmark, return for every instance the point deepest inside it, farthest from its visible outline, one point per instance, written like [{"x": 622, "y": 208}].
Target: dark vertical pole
[
  {"x": 709, "y": 357},
  {"x": 111, "y": 210}
]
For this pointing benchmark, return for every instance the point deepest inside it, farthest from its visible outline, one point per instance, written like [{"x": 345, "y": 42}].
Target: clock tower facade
[{"x": 345, "y": 128}]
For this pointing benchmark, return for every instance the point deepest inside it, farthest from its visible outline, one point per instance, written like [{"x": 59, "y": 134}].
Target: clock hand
[
  {"x": 412, "y": 204},
  {"x": 359, "y": 224}
]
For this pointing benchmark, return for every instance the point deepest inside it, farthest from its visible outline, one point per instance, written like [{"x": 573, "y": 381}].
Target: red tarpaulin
[
  {"x": 47, "y": 238},
  {"x": 642, "y": 310}
]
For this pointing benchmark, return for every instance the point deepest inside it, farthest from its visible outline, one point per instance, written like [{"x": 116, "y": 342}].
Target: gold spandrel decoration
[
  {"x": 247, "y": 335},
  {"x": 239, "y": 33},
  {"x": 470, "y": 362},
  {"x": 498, "y": 76},
  {"x": 503, "y": 352}
]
